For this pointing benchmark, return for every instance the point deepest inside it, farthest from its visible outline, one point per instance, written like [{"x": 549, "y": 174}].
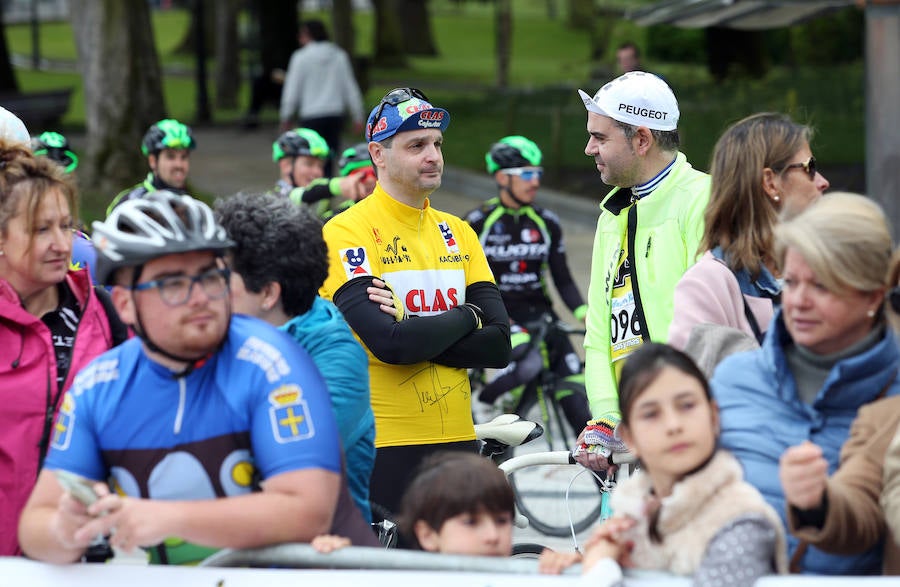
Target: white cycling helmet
[{"x": 157, "y": 224}]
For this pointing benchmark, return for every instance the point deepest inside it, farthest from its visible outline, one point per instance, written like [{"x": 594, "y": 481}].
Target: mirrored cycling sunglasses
[
  {"x": 808, "y": 166},
  {"x": 398, "y": 96},
  {"x": 526, "y": 173}
]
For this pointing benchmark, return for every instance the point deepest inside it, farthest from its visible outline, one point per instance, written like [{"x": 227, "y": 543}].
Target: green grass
[{"x": 549, "y": 62}]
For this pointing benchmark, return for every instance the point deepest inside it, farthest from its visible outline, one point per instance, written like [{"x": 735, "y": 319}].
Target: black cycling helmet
[
  {"x": 55, "y": 146},
  {"x": 167, "y": 134},
  {"x": 354, "y": 158},
  {"x": 513, "y": 151},
  {"x": 299, "y": 142},
  {"x": 159, "y": 223}
]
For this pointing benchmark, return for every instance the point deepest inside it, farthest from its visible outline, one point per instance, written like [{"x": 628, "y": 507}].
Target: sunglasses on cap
[
  {"x": 398, "y": 96},
  {"x": 526, "y": 173},
  {"x": 808, "y": 166}
]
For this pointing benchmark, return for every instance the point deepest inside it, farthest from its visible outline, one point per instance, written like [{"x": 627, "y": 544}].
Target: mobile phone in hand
[{"x": 80, "y": 488}]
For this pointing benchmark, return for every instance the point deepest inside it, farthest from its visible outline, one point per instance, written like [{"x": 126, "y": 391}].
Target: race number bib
[{"x": 625, "y": 327}]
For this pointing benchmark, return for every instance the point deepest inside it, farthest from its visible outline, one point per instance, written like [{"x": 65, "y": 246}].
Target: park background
[{"x": 499, "y": 66}]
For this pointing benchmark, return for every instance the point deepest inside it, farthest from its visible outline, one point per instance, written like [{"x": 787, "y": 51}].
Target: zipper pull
[{"x": 649, "y": 242}]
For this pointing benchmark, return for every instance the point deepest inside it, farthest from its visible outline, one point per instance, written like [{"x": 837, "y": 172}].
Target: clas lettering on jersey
[{"x": 420, "y": 300}]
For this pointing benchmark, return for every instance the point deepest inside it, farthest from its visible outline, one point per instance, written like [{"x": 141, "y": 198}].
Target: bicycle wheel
[
  {"x": 527, "y": 550},
  {"x": 541, "y": 497}
]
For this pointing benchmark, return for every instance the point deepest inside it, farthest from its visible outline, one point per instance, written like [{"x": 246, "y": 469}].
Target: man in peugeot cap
[
  {"x": 417, "y": 290},
  {"x": 648, "y": 232}
]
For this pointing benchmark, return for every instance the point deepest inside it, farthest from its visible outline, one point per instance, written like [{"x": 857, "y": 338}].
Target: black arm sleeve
[
  {"x": 489, "y": 346},
  {"x": 408, "y": 341},
  {"x": 316, "y": 191},
  {"x": 559, "y": 269}
]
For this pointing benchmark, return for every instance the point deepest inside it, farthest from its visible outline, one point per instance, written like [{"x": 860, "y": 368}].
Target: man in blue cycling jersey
[
  {"x": 522, "y": 241},
  {"x": 207, "y": 430}
]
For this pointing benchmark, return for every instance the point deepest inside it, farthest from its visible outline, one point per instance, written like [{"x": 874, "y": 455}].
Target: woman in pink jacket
[
  {"x": 52, "y": 322},
  {"x": 762, "y": 166}
]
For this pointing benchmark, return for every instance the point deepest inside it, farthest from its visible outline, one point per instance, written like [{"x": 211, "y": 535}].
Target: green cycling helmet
[
  {"x": 300, "y": 142},
  {"x": 513, "y": 151},
  {"x": 354, "y": 158},
  {"x": 55, "y": 146},
  {"x": 167, "y": 134}
]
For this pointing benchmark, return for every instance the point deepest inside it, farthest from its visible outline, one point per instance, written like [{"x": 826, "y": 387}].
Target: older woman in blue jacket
[{"x": 827, "y": 352}]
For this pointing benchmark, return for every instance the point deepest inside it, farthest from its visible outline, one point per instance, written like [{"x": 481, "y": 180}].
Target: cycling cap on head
[
  {"x": 353, "y": 158},
  {"x": 55, "y": 146},
  {"x": 12, "y": 128},
  {"x": 513, "y": 151},
  {"x": 167, "y": 134},
  {"x": 404, "y": 109},
  {"x": 637, "y": 98},
  {"x": 157, "y": 224},
  {"x": 299, "y": 142}
]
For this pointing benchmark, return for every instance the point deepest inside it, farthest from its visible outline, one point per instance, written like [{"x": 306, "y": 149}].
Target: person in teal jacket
[
  {"x": 278, "y": 264},
  {"x": 648, "y": 232}
]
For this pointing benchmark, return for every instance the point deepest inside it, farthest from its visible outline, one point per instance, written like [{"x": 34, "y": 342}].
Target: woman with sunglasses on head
[
  {"x": 52, "y": 322},
  {"x": 828, "y": 352},
  {"x": 762, "y": 166},
  {"x": 841, "y": 514}
]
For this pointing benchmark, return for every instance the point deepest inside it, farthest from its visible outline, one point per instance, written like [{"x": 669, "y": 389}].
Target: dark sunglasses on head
[
  {"x": 398, "y": 96},
  {"x": 808, "y": 166}
]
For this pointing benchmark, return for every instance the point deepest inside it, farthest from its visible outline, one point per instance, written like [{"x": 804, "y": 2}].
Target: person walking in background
[
  {"x": 828, "y": 352},
  {"x": 167, "y": 145},
  {"x": 648, "y": 232},
  {"x": 524, "y": 245},
  {"x": 278, "y": 263},
  {"x": 761, "y": 166},
  {"x": 320, "y": 88},
  {"x": 416, "y": 288},
  {"x": 52, "y": 321},
  {"x": 628, "y": 57}
]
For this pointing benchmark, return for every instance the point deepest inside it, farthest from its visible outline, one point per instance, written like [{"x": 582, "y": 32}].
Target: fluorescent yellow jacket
[{"x": 669, "y": 226}]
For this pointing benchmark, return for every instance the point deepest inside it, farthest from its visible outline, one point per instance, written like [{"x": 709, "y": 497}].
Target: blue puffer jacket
[
  {"x": 327, "y": 337},
  {"x": 762, "y": 415}
]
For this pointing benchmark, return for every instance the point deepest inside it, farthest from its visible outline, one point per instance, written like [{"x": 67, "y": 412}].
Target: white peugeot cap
[{"x": 637, "y": 98}]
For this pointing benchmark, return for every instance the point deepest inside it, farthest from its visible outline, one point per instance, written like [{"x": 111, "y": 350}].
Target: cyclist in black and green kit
[
  {"x": 522, "y": 242},
  {"x": 167, "y": 145},
  {"x": 301, "y": 154}
]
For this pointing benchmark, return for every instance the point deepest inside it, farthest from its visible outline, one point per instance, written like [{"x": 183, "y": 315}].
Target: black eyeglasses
[
  {"x": 808, "y": 166},
  {"x": 398, "y": 96},
  {"x": 176, "y": 290}
]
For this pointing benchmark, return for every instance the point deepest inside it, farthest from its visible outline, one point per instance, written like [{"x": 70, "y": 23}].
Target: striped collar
[{"x": 645, "y": 189}]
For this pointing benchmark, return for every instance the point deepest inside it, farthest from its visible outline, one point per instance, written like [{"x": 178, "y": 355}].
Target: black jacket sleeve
[
  {"x": 316, "y": 191},
  {"x": 408, "y": 341},
  {"x": 489, "y": 346},
  {"x": 559, "y": 268}
]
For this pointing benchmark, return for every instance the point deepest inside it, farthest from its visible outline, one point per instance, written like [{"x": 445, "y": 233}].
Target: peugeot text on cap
[
  {"x": 409, "y": 115},
  {"x": 637, "y": 98}
]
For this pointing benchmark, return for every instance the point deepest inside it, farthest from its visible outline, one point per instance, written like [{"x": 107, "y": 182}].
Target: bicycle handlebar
[{"x": 556, "y": 457}]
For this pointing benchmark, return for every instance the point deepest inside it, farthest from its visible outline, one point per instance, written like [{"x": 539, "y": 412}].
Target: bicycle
[
  {"x": 563, "y": 460},
  {"x": 559, "y": 434}
]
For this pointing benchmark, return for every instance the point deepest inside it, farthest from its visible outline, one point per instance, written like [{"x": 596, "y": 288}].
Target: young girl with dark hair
[{"x": 688, "y": 510}]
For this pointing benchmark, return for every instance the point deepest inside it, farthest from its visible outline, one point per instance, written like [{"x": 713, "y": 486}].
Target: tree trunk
[
  {"x": 277, "y": 32},
  {"x": 342, "y": 25},
  {"x": 581, "y": 14},
  {"x": 416, "y": 26},
  {"x": 8, "y": 81},
  {"x": 122, "y": 89},
  {"x": 503, "y": 23},
  {"x": 389, "y": 48},
  {"x": 188, "y": 43},
  {"x": 227, "y": 52}
]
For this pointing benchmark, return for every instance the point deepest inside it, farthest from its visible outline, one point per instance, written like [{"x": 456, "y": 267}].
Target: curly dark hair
[{"x": 276, "y": 240}]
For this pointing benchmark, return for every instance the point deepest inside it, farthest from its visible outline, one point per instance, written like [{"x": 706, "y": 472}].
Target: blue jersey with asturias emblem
[{"x": 255, "y": 409}]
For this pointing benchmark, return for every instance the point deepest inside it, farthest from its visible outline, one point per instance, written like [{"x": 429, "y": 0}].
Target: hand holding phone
[{"x": 78, "y": 487}]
